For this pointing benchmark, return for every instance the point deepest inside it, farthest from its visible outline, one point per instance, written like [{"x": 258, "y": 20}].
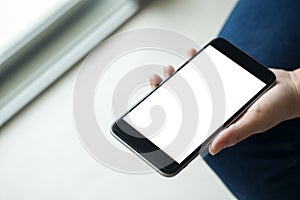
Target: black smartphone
[{"x": 177, "y": 120}]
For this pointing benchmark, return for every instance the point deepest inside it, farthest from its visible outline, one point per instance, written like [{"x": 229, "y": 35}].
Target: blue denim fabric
[{"x": 266, "y": 165}]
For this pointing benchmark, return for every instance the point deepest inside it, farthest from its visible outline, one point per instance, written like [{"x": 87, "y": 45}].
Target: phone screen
[{"x": 183, "y": 106}]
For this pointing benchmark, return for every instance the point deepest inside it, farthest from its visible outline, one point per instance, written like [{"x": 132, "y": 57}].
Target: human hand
[{"x": 280, "y": 103}]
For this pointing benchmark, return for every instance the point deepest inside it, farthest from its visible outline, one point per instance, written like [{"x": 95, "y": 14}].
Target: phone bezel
[{"x": 141, "y": 145}]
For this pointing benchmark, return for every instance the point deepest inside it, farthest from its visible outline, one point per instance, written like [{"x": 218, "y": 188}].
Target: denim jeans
[{"x": 266, "y": 165}]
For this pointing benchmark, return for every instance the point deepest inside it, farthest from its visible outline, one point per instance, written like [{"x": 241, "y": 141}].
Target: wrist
[{"x": 295, "y": 80}]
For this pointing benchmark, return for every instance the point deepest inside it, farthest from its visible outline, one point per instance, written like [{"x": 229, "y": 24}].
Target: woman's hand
[{"x": 280, "y": 103}]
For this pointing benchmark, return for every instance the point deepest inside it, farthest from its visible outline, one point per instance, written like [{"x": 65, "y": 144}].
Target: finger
[
  {"x": 155, "y": 80},
  {"x": 168, "y": 70},
  {"x": 240, "y": 130},
  {"x": 191, "y": 52},
  {"x": 219, "y": 143}
]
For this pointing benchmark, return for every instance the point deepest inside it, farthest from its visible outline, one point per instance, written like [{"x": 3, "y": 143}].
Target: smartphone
[{"x": 178, "y": 119}]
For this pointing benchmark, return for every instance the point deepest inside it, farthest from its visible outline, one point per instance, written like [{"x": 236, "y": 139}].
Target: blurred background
[{"x": 42, "y": 44}]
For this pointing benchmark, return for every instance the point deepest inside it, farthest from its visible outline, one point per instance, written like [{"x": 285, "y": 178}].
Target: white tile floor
[{"x": 40, "y": 153}]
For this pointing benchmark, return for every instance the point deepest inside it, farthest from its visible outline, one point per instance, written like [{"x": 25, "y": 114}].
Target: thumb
[{"x": 240, "y": 130}]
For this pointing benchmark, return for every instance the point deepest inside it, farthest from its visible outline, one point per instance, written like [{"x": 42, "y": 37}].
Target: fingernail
[
  {"x": 165, "y": 71},
  {"x": 153, "y": 85},
  {"x": 213, "y": 151},
  {"x": 210, "y": 150}
]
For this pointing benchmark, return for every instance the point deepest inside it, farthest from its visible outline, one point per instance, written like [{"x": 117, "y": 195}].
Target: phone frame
[{"x": 160, "y": 160}]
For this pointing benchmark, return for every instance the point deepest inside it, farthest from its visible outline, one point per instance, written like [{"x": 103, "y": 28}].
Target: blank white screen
[{"x": 239, "y": 87}]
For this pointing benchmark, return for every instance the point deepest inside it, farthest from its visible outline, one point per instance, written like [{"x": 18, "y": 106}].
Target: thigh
[
  {"x": 267, "y": 30},
  {"x": 266, "y": 165}
]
